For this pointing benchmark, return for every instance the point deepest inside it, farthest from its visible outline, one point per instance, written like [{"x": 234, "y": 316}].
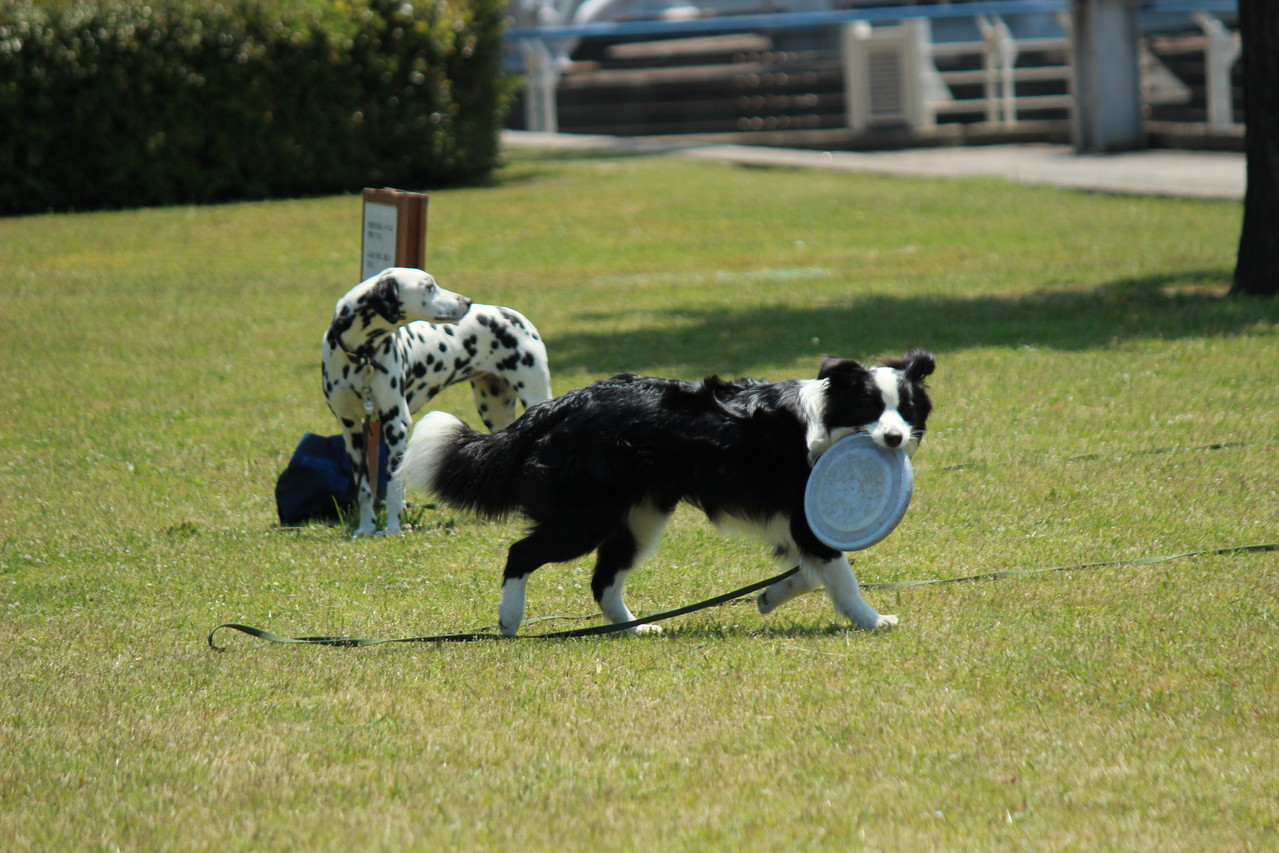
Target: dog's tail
[{"x": 463, "y": 468}]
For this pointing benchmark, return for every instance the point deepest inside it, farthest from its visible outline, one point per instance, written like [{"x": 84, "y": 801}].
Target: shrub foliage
[{"x": 113, "y": 103}]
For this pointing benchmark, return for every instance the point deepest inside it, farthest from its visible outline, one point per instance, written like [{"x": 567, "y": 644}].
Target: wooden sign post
[
  {"x": 394, "y": 231},
  {"x": 394, "y": 236}
]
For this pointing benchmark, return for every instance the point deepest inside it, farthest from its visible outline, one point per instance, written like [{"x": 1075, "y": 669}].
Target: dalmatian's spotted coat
[{"x": 409, "y": 339}]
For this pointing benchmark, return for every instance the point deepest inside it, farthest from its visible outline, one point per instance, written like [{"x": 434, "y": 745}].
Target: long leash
[
  {"x": 612, "y": 628},
  {"x": 1109, "y": 564},
  {"x": 595, "y": 630}
]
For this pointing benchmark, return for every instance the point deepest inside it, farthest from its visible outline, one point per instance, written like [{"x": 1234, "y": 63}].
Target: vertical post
[
  {"x": 918, "y": 68},
  {"x": 540, "y": 110},
  {"x": 1220, "y": 56},
  {"x": 394, "y": 231},
  {"x": 1108, "y": 112},
  {"x": 990, "y": 70},
  {"x": 999, "y": 62},
  {"x": 857, "y": 109},
  {"x": 1008, "y": 52}
]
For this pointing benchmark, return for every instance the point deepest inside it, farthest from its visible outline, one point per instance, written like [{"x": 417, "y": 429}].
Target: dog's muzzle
[{"x": 453, "y": 318}]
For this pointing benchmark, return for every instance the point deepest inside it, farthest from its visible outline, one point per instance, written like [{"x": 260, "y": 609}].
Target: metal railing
[{"x": 546, "y": 49}]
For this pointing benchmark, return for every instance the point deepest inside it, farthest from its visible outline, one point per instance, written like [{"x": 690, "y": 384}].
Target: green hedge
[{"x": 116, "y": 103}]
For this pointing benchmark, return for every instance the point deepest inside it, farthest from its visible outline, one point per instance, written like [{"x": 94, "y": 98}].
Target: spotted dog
[{"x": 401, "y": 338}]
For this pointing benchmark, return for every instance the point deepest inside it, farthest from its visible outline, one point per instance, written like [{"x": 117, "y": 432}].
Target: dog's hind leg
[
  {"x": 619, "y": 555},
  {"x": 494, "y": 400},
  {"x": 510, "y": 613},
  {"x": 549, "y": 542},
  {"x": 496, "y": 393},
  {"x": 840, "y": 582},
  {"x": 533, "y": 383},
  {"x": 784, "y": 590}
]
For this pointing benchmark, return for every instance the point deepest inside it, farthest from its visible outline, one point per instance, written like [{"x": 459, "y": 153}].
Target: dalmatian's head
[{"x": 402, "y": 294}]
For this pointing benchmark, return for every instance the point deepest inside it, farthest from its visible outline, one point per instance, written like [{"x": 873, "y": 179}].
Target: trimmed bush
[{"x": 118, "y": 104}]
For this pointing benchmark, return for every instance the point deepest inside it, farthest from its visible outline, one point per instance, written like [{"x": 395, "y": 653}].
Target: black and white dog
[
  {"x": 398, "y": 339},
  {"x": 602, "y": 468}
]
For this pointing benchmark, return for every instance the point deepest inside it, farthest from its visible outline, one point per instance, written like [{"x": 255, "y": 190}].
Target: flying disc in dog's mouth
[{"x": 857, "y": 493}]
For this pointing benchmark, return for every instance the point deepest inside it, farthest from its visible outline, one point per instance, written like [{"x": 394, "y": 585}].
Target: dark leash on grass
[
  {"x": 352, "y": 642},
  {"x": 1094, "y": 457},
  {"x": 1025, "y": 573},
  {"x": 612, "y": 628}
]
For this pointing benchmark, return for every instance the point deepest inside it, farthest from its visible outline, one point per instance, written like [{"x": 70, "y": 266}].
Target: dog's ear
[
  {"x": 916, "y": 364},
  {"x": 919, "y": 363},
  {"x": 839, "y": 367},
  {"x": 384, "y": 298}
]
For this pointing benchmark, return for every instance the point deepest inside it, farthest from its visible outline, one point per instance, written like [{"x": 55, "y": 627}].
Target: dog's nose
[{"x": 892, "y": 439}]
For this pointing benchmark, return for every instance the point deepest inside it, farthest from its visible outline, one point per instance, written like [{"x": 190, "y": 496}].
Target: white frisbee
[{"x": 857, "y": 492}]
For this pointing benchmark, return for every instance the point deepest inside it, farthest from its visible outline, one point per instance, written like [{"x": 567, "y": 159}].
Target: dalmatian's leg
[
  {"x": 533, "y": 383},
  {"x": 355, "y": 451},
  {"x": 494, "y": 399},
  {"x": 395, "y": 432}
]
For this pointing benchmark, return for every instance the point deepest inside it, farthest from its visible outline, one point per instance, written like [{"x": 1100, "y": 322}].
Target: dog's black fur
[{"x": 602, "y": 467}]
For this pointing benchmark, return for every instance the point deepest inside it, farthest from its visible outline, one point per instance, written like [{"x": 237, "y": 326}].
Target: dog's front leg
[
  {"x": 395, "y": 430},
  {"x": 368, "y": 519},
  {"x": 837, "y": 576},
  {"x": 355, "y": 451}
]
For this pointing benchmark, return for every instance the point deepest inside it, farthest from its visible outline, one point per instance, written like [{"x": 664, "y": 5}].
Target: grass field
[{"x": 1098, "y": 398}]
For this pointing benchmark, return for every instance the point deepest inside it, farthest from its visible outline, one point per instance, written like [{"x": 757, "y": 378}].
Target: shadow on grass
[
  {"x": 528, "y": 158},
  {"x": 637, "y": 149},
  {"x": 734, "y": 342}
]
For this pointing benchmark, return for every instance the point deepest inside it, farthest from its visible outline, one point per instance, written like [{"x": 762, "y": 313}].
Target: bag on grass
[{"x": 319, "y": 483}]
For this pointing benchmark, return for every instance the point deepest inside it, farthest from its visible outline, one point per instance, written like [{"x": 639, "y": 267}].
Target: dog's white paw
[
  {"x": 640, "y": 630},
  {"x": 764, "y": 607},
  {"x": 885, "y": 621}
]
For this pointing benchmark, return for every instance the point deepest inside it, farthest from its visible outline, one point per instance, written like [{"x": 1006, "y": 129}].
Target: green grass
[{"x": 160, "y": 365}]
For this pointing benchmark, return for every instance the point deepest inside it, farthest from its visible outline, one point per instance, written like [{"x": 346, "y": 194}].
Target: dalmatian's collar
[{"x": 361, "y": 358}]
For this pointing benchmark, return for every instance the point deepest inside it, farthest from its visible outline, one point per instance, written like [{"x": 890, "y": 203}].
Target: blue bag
[{"x": 319, "y": 483}]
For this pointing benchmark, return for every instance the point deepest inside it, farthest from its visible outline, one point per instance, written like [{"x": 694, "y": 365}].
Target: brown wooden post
[{"x": 394, "y": 231}]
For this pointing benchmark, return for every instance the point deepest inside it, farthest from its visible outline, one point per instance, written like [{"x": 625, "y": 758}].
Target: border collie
[{"x": 603, "y": 467}]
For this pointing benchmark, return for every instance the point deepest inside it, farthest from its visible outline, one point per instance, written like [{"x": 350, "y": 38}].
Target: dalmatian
[{"x": 398, "y": 339}]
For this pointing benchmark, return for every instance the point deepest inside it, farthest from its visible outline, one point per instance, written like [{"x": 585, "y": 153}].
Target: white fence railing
[{"x": 890, "y": 69}]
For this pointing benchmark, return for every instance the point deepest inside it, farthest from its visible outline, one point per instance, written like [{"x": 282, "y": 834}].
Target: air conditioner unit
[{"x": 889, "y": 76}]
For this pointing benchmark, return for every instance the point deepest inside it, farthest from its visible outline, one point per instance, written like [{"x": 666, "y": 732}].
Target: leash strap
[
  {"x": 372, "y": 448},
  {"x": 1023, "y": 573},
  {"x": 351, "y": 642},
  {"x": 612, "y": 628}
]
